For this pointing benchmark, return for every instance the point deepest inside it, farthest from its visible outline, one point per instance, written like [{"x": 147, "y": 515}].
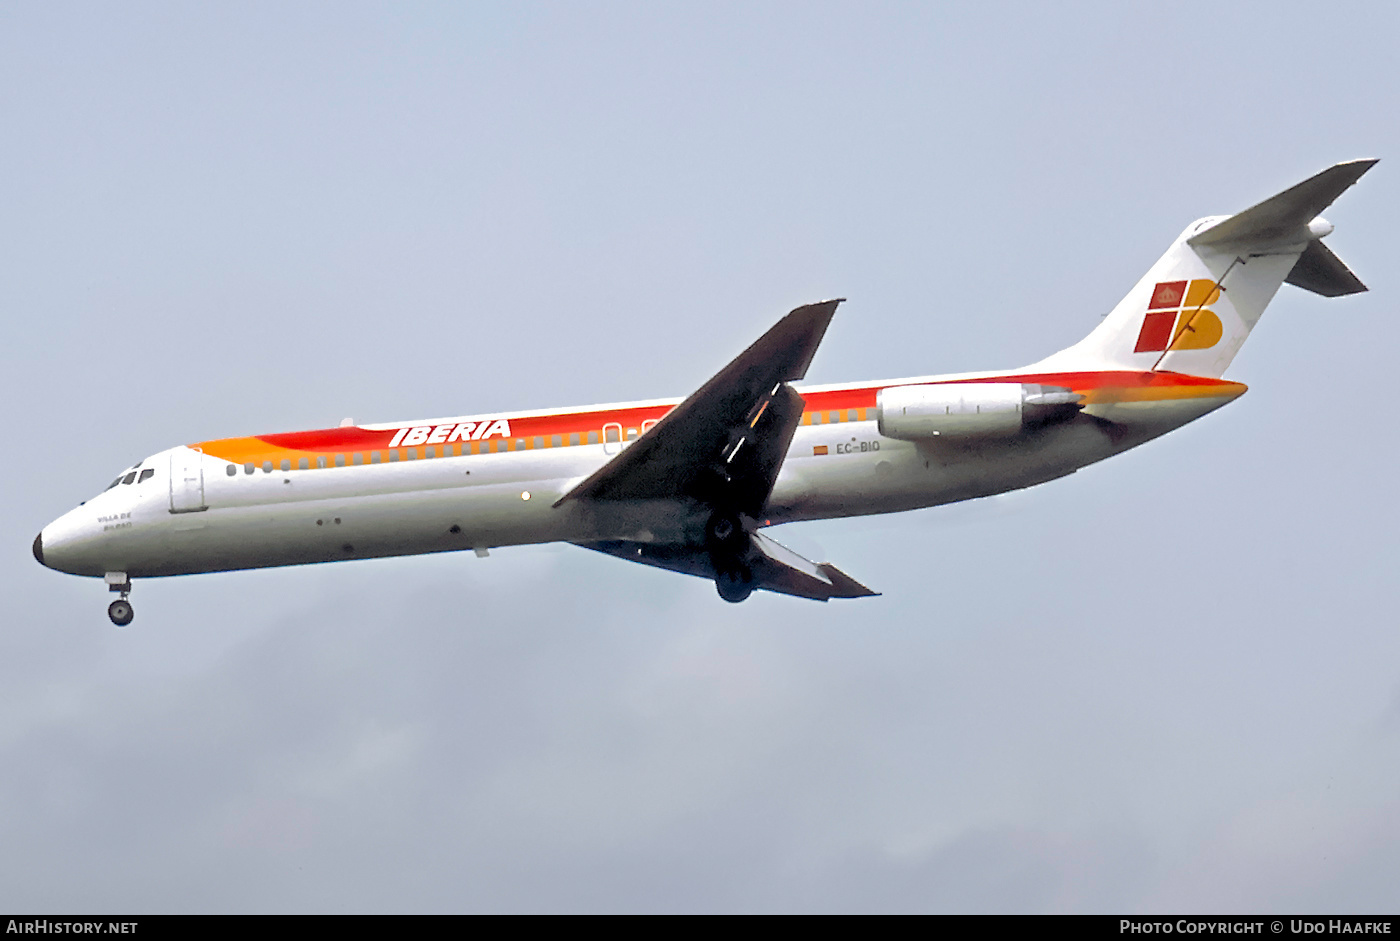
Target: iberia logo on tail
[{"x": 1177, "y": 317}]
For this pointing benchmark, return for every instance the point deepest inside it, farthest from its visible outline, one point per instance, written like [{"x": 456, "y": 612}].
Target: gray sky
[{"x": 1168, "y": 683}]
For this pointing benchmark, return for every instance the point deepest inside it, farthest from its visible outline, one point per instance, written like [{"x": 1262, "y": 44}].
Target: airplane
[{"x": 690, "y": 485}]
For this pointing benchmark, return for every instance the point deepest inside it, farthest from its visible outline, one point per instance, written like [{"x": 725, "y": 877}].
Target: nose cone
[{"x": 73, "y": 543}]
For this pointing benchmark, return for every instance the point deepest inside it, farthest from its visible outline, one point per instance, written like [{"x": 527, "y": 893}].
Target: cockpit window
[
  {"x": 129, "y": 477},
  {"x": 146, "y": 475},
  {"x": 114, "y": 483}
]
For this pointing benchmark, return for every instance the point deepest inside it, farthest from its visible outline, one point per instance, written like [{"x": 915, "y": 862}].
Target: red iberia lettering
[
  {"x": 416, "y": 435},
  {"x": 439, "y": 434},
  {"x": 462, "y": 432}
]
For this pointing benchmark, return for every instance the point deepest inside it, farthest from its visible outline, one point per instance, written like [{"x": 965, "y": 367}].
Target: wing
[
  {"x": 720, "y": 451},
  {"x": 769, "y": 565},
  {"x": 723, "y": 446}
]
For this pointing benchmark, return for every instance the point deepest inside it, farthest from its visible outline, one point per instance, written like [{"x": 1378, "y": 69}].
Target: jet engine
[{"x": 970, "y": 409}]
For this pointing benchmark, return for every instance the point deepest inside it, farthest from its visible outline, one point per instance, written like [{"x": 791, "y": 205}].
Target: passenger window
[
  {"x": 248, "y": 468},
  {"x": 304, "y": 464},
  {"x": 374, "y": 457},
  {"x": 573, "y": 439},
  {"x": 520, "y": 444},
  {"x": 430, "y": 451},
  {"x": 411, "y": 453},
  {"x": 816, "y": 418},
  {"x": 340, "y": 460},
  {"x": 357, "y": 458},
  {"x": 557, "y": 441},
  {"x": 612, "y": 433},
  {"x": 394, "y": 455},
  {"x": 232, "y": 470},
  {"x": 320, "y": 460},
  {"x": 593, "y": 437},
  {"x": 539, "y": 443},
  {"x": 851, "y": 415},
  {"x": 129, "y": 477},
  {"x": 631, "y": 434},
  {"x": 146, "y": 475},
  {"x": 286, "y": 464},
  {"x": 835, "y": 417},
  {"x": 267, "y": 467}
]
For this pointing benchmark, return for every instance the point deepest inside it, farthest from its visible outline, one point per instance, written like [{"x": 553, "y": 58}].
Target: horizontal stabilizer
[
  {"x": 1285, "y": 214},
  {"x": 1319, "y": 270}
]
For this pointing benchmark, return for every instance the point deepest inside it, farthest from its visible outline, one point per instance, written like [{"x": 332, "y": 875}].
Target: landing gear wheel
[
  {"x": 120, "y": 612},
  {"x": 734, "y": 584}
]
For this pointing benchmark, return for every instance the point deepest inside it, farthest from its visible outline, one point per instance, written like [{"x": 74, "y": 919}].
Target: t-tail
[{"x": 1195, "y": 307}]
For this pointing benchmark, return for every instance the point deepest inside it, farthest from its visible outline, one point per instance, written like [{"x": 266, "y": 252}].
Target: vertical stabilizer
[{"x": 1196, "y": 306}]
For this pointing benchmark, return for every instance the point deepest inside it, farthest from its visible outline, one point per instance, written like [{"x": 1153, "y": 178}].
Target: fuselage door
[
  {"x": 612, "y": 437},
  {"x": 187, "y": 481}
]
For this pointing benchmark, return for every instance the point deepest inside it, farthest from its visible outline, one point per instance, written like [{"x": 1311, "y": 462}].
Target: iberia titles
[{"x": 446, "y": 434}]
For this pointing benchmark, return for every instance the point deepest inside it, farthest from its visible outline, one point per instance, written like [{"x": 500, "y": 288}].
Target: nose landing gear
[{"x": 120, "y": 611}]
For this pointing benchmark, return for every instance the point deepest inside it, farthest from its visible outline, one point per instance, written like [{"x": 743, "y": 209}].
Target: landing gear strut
[{"x": 120, "y": 611}]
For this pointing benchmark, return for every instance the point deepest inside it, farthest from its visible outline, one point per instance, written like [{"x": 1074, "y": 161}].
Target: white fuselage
[{"x": 199, "y": 512}]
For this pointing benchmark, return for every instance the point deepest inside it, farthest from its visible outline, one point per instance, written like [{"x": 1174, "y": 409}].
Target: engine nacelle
[{"x": 970, "y": 409}]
